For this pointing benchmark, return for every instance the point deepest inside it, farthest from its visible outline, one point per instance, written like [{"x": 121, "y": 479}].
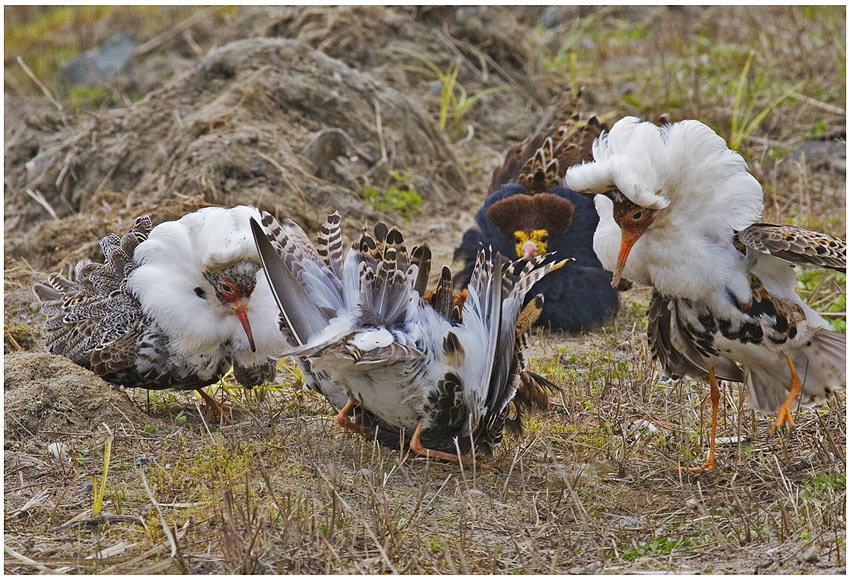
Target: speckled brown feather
[
  {"x": 796, "y": 245},
  {"x": 560, "y": 140}
]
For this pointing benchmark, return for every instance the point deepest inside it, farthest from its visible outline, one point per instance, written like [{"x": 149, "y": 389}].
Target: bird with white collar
[{"x": 679, "y": 211}]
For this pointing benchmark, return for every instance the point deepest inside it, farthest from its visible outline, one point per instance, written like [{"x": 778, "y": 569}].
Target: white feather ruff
[
  {"x": 172, "y": 261},
  {"x": 701, "y": 189}
]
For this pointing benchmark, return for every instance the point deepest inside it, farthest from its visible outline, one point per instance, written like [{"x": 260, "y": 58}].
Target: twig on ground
[{"x": 169, "y": 533}]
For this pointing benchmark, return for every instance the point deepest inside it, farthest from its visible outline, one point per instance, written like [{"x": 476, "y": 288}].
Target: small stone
[
  {"x": 626, "y": 522},
  {"x": 142, "y": 459},
  {"x": 86, "y": 486},
  {"x": 642, "y": 425},
  {"x": 58, "y": 452}
]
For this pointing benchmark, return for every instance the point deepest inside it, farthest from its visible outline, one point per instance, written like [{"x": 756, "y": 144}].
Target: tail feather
[
  {"x": 821, "y": 366},
  {"x": 421, "y": 257},
  {"x": 386, "y": 276},
  {"x": 330, "y": 243}
]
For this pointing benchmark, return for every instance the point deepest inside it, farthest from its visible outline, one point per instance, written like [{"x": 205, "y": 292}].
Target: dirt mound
[
  {"x": 231, "y": 131},
  {"x": 489, "y": 44},
  {"x": 48, "y": 395}
]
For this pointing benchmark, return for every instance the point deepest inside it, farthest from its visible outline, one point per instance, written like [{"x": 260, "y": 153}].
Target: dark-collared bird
[
  {"x": 439, "y": 370},
  {"x": 679, "y": 212},
  {"x": 174, "y": 306},
  {"x": 528, "y": 213}
]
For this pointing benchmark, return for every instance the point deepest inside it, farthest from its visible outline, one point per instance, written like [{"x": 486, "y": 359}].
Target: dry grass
[
  {"x": 594, "y": 485},
  {"x": 590, "y": 486}
]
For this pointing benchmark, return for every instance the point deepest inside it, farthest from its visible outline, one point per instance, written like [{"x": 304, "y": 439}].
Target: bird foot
[
  {"x": 344, "y": 421},
  {"x": 214, "y": 409},
  {"x": 709, "y": 465},
  {"x": 417, "y": 447},
  {"x": 349, "y": 425},
  {"x": 783, "y": 417}
]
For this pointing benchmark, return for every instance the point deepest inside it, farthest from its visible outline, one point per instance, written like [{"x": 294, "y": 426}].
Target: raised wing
[
  {"x": 280, "y": 254},
  {"x": 91, "y": 319},
  {"x": 796, "y": 245}
]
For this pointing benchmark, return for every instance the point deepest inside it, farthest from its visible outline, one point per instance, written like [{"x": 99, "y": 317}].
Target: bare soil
[{"x": 296, "y": 109}]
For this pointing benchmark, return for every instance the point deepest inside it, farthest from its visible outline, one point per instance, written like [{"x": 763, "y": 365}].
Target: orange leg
[
  {"x": 715, "y": 403},
  {"x": 784, "y": 415},
  {"x": 345, "y": 422},
  {"x": 214, "y": 408},
  {"x": 416, "y": 447}
]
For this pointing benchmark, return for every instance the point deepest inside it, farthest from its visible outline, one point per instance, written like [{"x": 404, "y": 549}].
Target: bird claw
[
  {"x": 783, "y": 417},
  {"x": 709, "y": 465},
  {"x": 344, "y": 421},
  {"x": 215, "y": 408}
]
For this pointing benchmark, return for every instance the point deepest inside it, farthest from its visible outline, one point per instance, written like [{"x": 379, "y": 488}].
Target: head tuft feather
[
  {"x": 684, "y": 163},
  {"x": 543, "y": 211}
]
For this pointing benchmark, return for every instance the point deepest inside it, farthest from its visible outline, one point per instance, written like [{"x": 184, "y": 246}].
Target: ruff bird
[
  {"x": 678, "y": 211},
  {"x": 439, "y": 368},
  {"x": 528, "y": 213},
  {"x": 174, "y": 306}
]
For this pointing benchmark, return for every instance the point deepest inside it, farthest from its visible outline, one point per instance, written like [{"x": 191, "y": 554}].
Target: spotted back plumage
[
  {"x": 796, "y": 245},
  {"x": 562, "y": 139},
  {"x": 91, "y": 313}
]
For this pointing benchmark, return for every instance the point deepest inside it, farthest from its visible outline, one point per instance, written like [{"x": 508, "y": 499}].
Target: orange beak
[
  {"x": 627, "y": 240},
  {"x": 241, "y": 312}
]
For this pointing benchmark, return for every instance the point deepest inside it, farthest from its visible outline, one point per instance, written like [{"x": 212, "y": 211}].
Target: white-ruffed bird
[
  {"x": 441, "y": 369},
  {"x": 678, "y": 212},
  {"x": 171, "y": 307}
]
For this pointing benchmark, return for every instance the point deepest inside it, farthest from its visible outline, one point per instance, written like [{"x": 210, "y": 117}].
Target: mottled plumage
[
  {"x": 796, "y": 245},
  {"x": 528, "y": 212},
  {"x": 434, "y": 371},
  {"x": 170, "y": 306},
  {"x": 678, "y": 212}
]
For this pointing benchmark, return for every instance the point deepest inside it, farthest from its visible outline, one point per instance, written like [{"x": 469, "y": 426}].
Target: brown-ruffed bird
[{"x": 528, "y": 213}]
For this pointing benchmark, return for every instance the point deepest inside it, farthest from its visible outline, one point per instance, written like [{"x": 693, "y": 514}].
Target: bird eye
[
  {"x": 199, "y": 292},
  {"x": 544, "y": 239},
  {"x": 637, "y": 215},
  {"x": 226, "y": 288},
  {"x": 516, "y": 239}
]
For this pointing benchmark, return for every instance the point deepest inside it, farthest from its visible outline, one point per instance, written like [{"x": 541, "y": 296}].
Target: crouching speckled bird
[
  {"x": 528, "y": 212},
  {"x": 439, "y": 370},
  {"x": 173, "y": 306}
]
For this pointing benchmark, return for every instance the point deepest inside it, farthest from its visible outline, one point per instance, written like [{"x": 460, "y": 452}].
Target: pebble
[
  {"x": 58, "y": 451},
  {"x": 643, "y": 425},
  {"x": 626, "y": 522},
  {"x": 142, "y": 459},
  {"x": 86, "y": 486}
]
